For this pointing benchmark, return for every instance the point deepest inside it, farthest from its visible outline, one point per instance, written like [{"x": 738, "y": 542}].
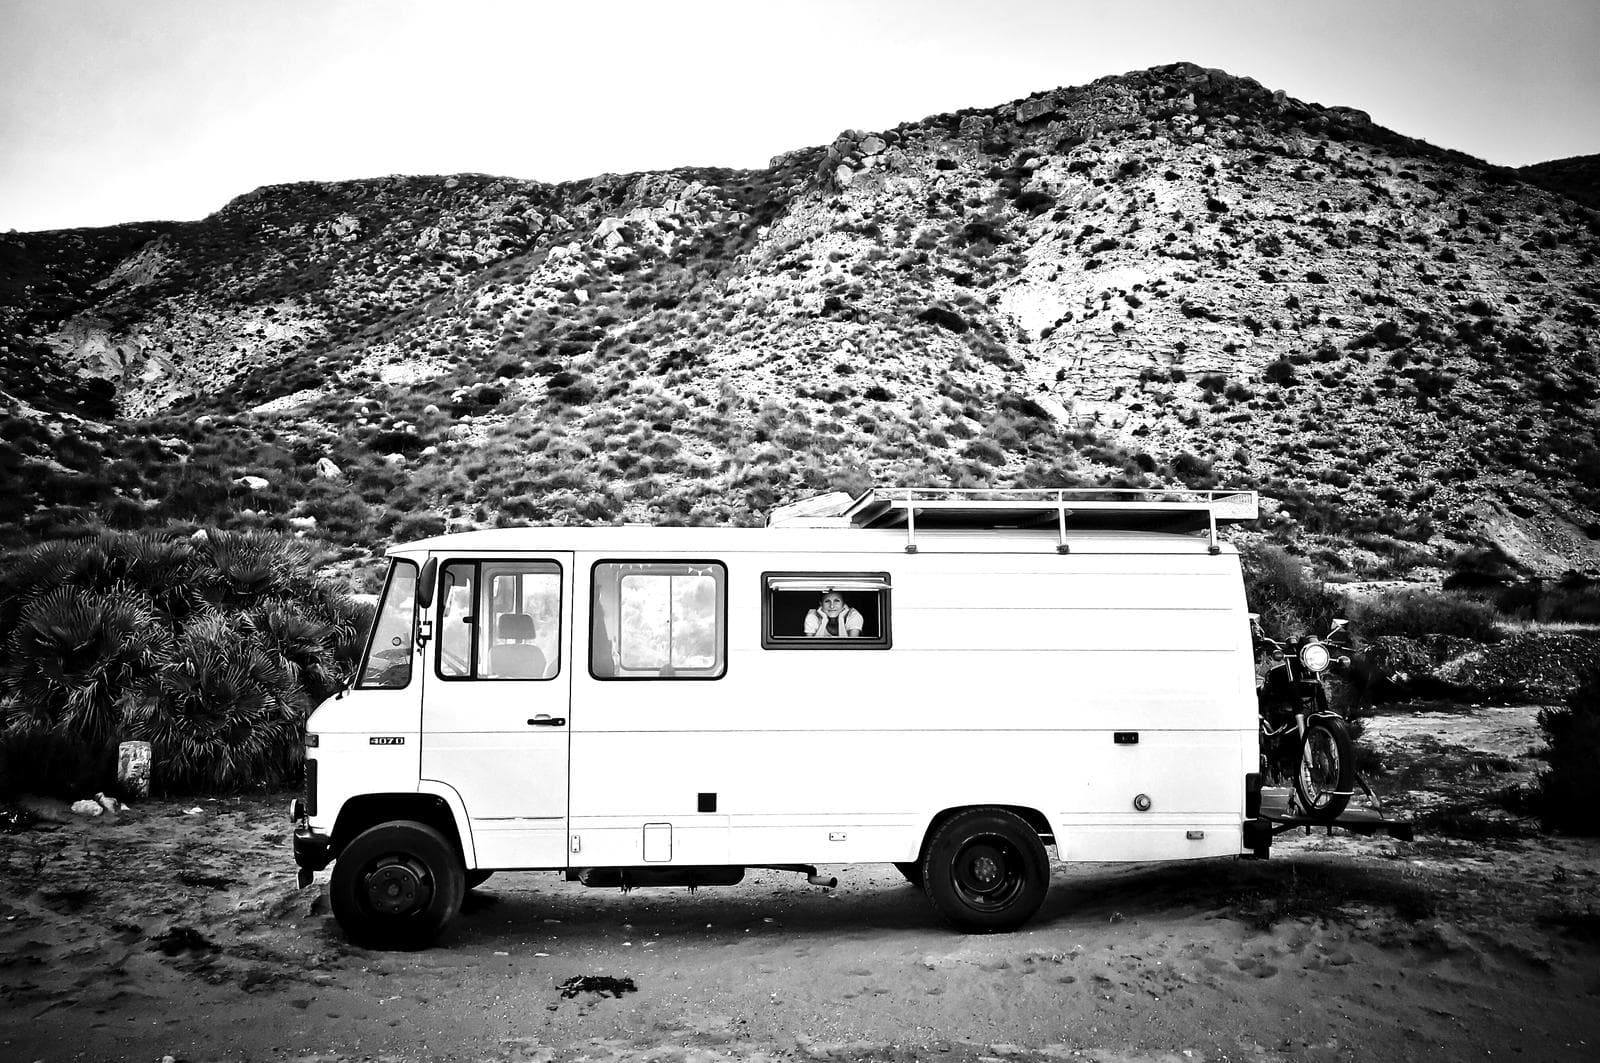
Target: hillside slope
[
  {"x": 1577, "y": 178},
  {"x": 1174, "y": 275}
]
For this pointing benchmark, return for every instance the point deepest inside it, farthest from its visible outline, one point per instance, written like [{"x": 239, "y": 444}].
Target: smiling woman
[{"x": 833, "y": 619}]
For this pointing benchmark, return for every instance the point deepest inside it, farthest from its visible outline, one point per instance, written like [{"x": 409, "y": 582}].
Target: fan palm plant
[
  {"x": 163, "y": 569},
  {"x": 210, "y": 647},
  {"x": 72, "y": 655},
  {"x": 24, "y": 574},
  {"x": 236, "y": 568},
  {"x": 222, "y": 712},
  {"x": 303, "y": 643}
]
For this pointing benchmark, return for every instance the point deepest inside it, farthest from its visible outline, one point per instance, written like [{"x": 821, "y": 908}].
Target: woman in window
[{"x": 833, "y": 619}]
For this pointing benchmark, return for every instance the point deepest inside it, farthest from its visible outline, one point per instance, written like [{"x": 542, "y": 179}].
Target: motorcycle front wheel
[{"x": 1326, "y": 773}]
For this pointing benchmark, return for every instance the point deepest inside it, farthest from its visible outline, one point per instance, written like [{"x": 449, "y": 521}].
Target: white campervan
[{"x": 946, "y": 681}]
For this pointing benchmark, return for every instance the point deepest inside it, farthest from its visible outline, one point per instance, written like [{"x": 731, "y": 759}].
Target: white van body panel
[
  {"x": 477, "y": 739},
  {"x": 1012, "y": 670},
  {"x": 354, "y": 764}
]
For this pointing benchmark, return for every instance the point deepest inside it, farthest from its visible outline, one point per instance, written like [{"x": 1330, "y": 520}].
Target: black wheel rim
[
  {"x": 397, "y": 886},
  {"x": 1319, "y": 766},
  {"x": 988, "y": 873}
]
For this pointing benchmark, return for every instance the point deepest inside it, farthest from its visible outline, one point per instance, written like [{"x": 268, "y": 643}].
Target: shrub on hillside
[
  {"x": 1568, "y": 792},
  {"x": 415, "y": 526},
  {"x": 1415, "y": 612},
  {"x": 1280, "y": 371},
  {"x": 1573, "y": 599},
  {"x": 1290, "y": 598},
  {"x": 190, "y": 643}
]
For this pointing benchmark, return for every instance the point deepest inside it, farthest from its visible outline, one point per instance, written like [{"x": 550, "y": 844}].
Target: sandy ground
[{"x": 164, "y": 933}]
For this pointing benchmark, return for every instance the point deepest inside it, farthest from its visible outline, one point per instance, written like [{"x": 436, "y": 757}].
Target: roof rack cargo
[{"x": 1143, "y": 509}]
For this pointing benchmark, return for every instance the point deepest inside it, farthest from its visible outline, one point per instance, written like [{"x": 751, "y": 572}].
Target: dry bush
[{"x": 1568, "y": 794}]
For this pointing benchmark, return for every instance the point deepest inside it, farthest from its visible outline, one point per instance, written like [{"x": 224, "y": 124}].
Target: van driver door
[{"x": 497, "y": 700}]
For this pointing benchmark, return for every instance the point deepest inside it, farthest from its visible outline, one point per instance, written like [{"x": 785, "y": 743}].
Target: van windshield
[{"x": 387, "y": 664}]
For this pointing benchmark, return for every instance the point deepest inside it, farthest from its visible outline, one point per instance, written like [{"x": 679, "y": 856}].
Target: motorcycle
[{"x": 1303, "y": 740}]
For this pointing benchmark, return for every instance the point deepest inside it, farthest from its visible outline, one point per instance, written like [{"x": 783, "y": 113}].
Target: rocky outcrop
[{"x": 852, "y": 153}]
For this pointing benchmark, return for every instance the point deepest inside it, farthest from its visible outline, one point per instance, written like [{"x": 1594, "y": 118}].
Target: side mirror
[
  {"x": 1339, "y": 623},
  {"x": 425, "y": 583}
]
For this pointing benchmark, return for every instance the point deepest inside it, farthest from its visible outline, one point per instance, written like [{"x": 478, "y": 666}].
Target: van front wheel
[
  {"x": 986, "y": 869},
  {"x": 395, "y": 885}
]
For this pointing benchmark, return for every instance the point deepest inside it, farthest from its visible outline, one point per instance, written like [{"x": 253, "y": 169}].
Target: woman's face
[{"x": 832, "y": 605}]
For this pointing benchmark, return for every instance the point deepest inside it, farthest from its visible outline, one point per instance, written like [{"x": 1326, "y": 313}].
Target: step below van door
[{"x": 495, "y": 713}]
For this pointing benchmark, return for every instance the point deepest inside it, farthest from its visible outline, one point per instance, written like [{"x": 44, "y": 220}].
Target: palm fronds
[{"x": 213, "y": 648}]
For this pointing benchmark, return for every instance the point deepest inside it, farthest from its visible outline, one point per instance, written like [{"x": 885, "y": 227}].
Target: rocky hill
[
  {"x": 1170, "y": 276},
  {"x": 1577, "y": 178}
]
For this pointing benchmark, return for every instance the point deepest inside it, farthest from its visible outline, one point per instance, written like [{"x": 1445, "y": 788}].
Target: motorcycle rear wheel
[{"x": 1326, "y": 771}]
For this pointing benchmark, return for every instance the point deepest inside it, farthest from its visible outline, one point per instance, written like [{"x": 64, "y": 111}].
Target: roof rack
[{"x": 1178, "y": 511}]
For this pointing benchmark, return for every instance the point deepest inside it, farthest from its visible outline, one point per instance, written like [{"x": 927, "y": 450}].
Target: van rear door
[{"x": 495, "y": 711}]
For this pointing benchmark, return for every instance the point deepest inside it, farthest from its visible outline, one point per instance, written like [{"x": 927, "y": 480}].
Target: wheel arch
[
  {"x": 368, "y": 810},
  {"x": 1028, "y": 814}
]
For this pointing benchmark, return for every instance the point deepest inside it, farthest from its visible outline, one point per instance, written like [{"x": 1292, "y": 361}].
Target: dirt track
[{"x": 1334, "y": 949}]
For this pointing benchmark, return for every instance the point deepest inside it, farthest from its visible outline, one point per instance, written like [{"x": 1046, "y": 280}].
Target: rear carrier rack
[
  {"x": 1279, "y": 814},
  {"x": 1177, "y": 511}
]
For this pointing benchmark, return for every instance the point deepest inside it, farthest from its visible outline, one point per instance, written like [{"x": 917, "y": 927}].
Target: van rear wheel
[
  {"x": 986, "y": 869},
  {"x": 395, "y": 885}
]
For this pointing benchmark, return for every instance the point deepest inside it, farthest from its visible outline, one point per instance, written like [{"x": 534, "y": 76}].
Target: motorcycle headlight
[{"x": 1314, "y": 656}]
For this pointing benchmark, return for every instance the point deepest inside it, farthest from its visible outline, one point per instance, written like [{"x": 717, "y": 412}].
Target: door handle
[{"x": 542, "y": 720}]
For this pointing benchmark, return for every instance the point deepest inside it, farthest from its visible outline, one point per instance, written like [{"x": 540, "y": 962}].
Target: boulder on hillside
[{"x": 1037, "y": 107}]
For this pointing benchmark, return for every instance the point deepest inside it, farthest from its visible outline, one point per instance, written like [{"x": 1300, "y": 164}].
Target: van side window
[
  {"x": 825, "y": 610},
  {"x": 659, "y": 620},
  {"x": 499, "y": 620}
]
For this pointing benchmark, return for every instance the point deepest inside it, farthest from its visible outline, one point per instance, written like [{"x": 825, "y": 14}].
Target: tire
[
  {"x": 1326, "y": 764},
  {"x": 912, "y": 873},
  {"x": 478, "y": 878},
  {"x": 396, "y": 885},
  {"x": 986, "y": 869}
]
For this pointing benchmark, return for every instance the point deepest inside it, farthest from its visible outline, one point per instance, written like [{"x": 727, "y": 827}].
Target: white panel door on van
[{"x": 494, "y": 721}]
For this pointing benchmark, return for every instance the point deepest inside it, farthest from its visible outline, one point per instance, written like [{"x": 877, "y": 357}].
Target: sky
[{"x": 137, "y": 110}]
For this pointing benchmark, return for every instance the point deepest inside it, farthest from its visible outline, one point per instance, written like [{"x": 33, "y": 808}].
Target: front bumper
[{"x": 312, "y": 851}]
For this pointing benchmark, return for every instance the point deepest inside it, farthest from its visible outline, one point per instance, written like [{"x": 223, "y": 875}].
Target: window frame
[
  {"x": 722, "y": 613},
  {"x": 477, "y": 564},
  {"x": 884, "y": 640},
  {"x": 372, "y": 633}
]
